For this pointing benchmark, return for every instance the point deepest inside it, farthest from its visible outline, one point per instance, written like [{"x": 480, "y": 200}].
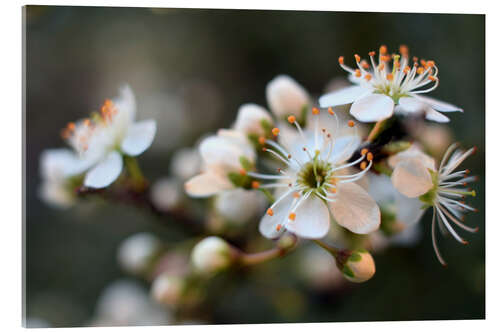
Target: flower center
[{"x": 314, "y": 174}]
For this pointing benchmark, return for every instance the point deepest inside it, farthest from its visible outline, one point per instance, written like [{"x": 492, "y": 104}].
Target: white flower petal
[
  {"x": 411, "y": 178},
  {"x": 105, "y": 172},
  {"x": 139, "y": 137},
  {"x": 285, "y": 96},
  {"x": 268, "y": 224},
  {"x": 355, "y": 209},
  {"x": 207, "y": 184},
  {"x": 414, "y": 152},
  {"x": 225, "y": 149},
  {"x": 409, "y": 210},
  {"x": 343, "y": 96},
  {"x": 250, "y": 117},
  {"x": 439, "y": 105},
  {"x": 312, "y": 219},
  {"x": 343, "y": 149},
  {"x": 125, "y": 102},
  {"x": 56, "y": 164},
  {"x": 373, "y": 108},
  {"x": 412, "y": 104},
  {"x": 436, "y": 116}
]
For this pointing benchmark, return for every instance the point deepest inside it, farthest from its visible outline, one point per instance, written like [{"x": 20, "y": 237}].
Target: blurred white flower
[
  {"x": 315, "y": 182},
  {"x": 239, "y": 205},
  {"x": 253, "y": 119},
  {"x": 166, "y": 193},
  {"x": 379, "y": 88},
  {"x": 101, "y": 139},
  {"x": 57, "y": 166},
  {"x": 168, "y": 289},
  {"x": 222, "y": 156},
  {"x": 286, "y": 97},
  {"x": 318, "y": 268},
  {"x": 136, "y": 252},
  {"x": 435, "y": 138},
  {"x": 185, "y": 163},
  {"x": 445, "y": 192},
  {"x": 360, "y": 267},
  {"x": 211, "y": 255},
  {"x": 126, "y": 303}
]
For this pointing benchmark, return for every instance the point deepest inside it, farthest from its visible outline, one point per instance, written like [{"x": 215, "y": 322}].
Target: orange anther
[
  {"x": 341, "y": 60},
  {"x": 333, "y": 190},
  {"x": 357, "y": 73},
  {"x": 291, "y": 119},
  {"x": 255, "y": 184},
  {"x": 423, "y": 63},
  {"x": 420, "y": 70},
  {"x": 243, "y": 172},
  {"x": 383, "y": 49},
  {"x": 278, "y": 227},
  {"x": 415, "y": 59},
  {"x": 363, "y": 165},
  {"x": 357, "y": 57},
  {"x": 403, "y": 49},
  {"x": 269, "y": 212},
  {"x": 381, "y": 67},
  {"x": 275, "y": 131},
  {"x": 368, "y": 77},
  {"x": 431, "y": 63},
  {"x": 369, "y": 156},
  {"x": 365, "y": 65},
  {"x": 432, "y": 78},
  {"x": 292, "y": 216},
  {"x": 262, "y": 140},
  {"x": 296, "y": 195},
  {"x": 390, "y": 77},
  {"x": 371, "y": 53},
  {"x": 364, "y": 151},
  {"x": 406, "y": 70},
  {"x": 350, "y": 123},
  {"x": 330, "y": 111},
  {"x": 315, "y": 111},
  {"x": 71, "y": 126}
]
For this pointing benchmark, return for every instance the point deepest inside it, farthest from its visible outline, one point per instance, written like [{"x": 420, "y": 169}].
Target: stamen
[
  {"x": 315, "y": 111},
  {"x": 275, "y": 131},
  {"x": 291, "y": 119},
  {"x": 292, "y": 216},
  {"x": 270, "y": 212},
  {"x": 350, "y": 123},
  {"x": 330, "y": 111},
  {"x": 341, "y": 60},
  {"x": 262, "y": 140},
  {"x": 357, "y": 57},
  {"x": 255, "y": 184}
]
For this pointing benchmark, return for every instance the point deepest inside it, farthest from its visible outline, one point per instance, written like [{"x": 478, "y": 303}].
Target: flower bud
[
  {"x": 211, "y": 255},
  {"x": 168, "y": 289},
  {"x": 165, "y": 194},
  {"x": 286, "y": 97},
  {"x": 252, "y": 119},
  {"x": 359, "y": 267},
  {"x": 137, "y": 251}
]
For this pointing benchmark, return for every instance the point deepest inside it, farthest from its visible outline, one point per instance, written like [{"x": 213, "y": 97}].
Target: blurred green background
[{"x": 191, "y": 69}]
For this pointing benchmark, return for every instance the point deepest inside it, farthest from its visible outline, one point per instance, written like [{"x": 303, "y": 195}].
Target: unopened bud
[
  {"x": 358, "y": 267},
  {"x": 211, "y": 255},
  {"x": 286, "y": 97},
  {"x": 137, "y": 251},
  {"x": 168, "y": 289},
  {"x": 250, "y": 119}
]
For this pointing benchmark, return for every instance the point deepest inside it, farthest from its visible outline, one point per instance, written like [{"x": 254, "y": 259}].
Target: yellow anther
[
  {"x": 341, "y": 60},
  {"x": 330, "y": 111},
  {"x": 350, "y": 123},
  {"x": 315, "y": 111},
  {"x": 291, "y": 119},
  {"x": 270, "y": 212},
  {"x": 292, "y": 216},
  {"x": 357, "y": 73},
  {"x": 275, "y": 131},
  {"x": 255, "y": 184}
]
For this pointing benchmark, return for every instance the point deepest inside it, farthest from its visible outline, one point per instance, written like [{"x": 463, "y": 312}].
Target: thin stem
[
  {"x": 135, "y": 172},
  {"x": 376, "y": 130},
  {"x": 285, "y": 245},
  {"x": 333, "y": 250}
]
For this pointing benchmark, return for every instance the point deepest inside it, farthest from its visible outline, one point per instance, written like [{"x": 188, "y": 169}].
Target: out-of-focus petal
[
  {"x": 139, "y": 137},
  {"x": 105, "y": 172}
]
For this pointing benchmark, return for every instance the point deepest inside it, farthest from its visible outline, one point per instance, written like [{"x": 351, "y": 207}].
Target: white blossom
[
  {"x": 211, "y": 255},
  {"x": 251, "y": 118},
  {"x": 379, "y": 90},
  {"x": 313, "y": 181},
  {"x": 102, "y": 139}
]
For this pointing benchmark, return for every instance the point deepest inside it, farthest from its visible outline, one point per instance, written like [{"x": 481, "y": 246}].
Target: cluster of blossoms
[{"x": 306, "y": 171}]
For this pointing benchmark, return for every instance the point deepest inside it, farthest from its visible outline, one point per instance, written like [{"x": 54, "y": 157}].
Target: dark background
[{"x": 191, "y": 69}]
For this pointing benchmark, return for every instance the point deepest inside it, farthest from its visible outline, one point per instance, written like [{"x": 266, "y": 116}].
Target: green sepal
[
  {"x": 347, "y": 271},
  {"x": 246, "y": 164},
  {"x": 395, "y": 147}
]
